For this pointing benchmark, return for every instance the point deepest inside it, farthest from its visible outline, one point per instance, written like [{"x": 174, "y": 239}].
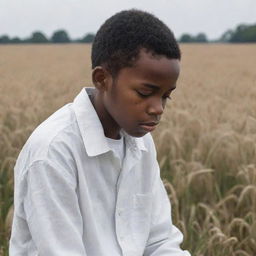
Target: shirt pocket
[{"x": 141, "y": 218}]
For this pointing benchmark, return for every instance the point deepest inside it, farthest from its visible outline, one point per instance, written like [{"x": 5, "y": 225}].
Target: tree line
[
  {"x": 59, "y": 36},
  {"x": 241, "y": 34}
]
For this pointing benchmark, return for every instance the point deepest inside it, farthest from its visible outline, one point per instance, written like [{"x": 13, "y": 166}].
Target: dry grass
[{"x": 206, "y": 142}]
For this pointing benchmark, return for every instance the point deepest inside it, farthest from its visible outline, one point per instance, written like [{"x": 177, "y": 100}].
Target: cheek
[
  {"x": 133, "y": 100},
  {"x": 126, "y": 105},
  {"x": 128, "y": 102},
  {"x": 135, "y": 107}
]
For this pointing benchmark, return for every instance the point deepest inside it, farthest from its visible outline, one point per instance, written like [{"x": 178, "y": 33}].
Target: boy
[{"x": 87, "y": 181}]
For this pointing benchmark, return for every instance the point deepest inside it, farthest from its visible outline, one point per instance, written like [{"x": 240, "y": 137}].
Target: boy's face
[{"x": 137, "y": 98}]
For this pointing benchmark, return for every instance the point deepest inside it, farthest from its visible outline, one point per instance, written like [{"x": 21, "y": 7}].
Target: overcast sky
[{"x": 78, "y": 17}]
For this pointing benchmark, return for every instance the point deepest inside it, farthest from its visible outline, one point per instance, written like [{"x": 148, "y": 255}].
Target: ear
[{"x": 100, "y": 78}]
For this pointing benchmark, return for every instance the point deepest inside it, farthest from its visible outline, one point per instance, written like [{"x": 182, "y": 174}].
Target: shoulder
[{"x": 53, "y": 140}]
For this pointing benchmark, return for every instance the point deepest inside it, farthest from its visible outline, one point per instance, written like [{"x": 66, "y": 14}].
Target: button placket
[
  {"x": 123, "y": 198},
  {"x": 118, "y": 217},
  {"x": 119, "y": 230}
]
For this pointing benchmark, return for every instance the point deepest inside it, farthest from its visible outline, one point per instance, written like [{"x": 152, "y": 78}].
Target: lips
[{"x": 148, "y": 127}]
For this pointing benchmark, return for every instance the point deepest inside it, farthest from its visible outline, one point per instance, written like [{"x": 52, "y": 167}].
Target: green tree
[
  {"x": 201, "y": 38},
  {"x": 244, "y": 34},
  {"x": 15, "y": 40},
  {"x": 186, "y": 38},
  {"x": 38, "y": 37},
  {"x": 60, "y": 36},
  {"x": 226, "y": 36},
  {"x": 4, "y": 39},
  {"x": 88, "y": 38}
]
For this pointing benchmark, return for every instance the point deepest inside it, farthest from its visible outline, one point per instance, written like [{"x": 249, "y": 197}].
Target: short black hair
[{"x": 118, "y": 41}]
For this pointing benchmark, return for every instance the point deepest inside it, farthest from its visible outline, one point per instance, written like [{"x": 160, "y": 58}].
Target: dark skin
[{"x": 136, "y": 99}]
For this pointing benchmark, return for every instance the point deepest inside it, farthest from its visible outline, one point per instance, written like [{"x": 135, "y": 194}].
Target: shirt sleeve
[
  {"x": 164, "y": 238},
  {"x": 52, "y": 210}
]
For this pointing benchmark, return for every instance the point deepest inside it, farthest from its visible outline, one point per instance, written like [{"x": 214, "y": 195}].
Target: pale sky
[{"x": 78, "y": 17}]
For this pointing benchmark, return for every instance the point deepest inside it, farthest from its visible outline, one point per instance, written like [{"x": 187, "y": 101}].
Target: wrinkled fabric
[{"x": 72, "y": 197}]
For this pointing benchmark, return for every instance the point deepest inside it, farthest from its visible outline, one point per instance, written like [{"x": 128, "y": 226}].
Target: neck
[{"x": 111, "y": 128}]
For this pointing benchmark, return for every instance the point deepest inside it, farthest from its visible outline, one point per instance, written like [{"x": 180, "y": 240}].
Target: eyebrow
[{"x": 155, "y": 87}]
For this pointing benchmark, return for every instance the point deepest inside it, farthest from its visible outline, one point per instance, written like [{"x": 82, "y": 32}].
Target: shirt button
[{"x": 119, "y": 212}]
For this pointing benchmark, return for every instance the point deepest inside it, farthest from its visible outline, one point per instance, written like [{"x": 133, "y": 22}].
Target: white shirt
[
  {"x": 118, "y": 147},
  {"x": 72, "y": 197}
]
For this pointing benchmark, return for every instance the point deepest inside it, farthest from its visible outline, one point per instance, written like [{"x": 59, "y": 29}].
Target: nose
[{"x": 156, "y": 107}]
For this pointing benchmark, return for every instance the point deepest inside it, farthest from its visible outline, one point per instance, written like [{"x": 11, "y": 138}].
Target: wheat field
[{"x": 206, "y": 142}]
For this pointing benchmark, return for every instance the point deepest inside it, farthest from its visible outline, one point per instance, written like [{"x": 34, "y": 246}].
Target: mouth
[{"x": 148, "y": 127}]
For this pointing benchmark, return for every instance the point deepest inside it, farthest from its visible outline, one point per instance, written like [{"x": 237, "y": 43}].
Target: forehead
[{"x": 156, "y": 69}]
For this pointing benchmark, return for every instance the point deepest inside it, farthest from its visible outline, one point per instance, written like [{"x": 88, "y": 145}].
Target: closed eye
[{"x": 143, "y": 94}]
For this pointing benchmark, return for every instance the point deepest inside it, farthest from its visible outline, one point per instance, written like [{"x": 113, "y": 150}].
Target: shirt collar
[{"x": 91, "y": 128}]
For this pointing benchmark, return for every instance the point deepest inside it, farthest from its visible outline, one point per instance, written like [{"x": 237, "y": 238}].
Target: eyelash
[
  {"x": 168, "y": 97},
  {"x": 144, "y": 96}
]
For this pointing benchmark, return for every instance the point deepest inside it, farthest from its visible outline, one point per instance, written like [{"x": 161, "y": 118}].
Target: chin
[{"x": 136, "y": 134}]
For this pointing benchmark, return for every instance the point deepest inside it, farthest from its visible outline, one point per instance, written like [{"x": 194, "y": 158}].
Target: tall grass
[{"x": 206, "y": 141}]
